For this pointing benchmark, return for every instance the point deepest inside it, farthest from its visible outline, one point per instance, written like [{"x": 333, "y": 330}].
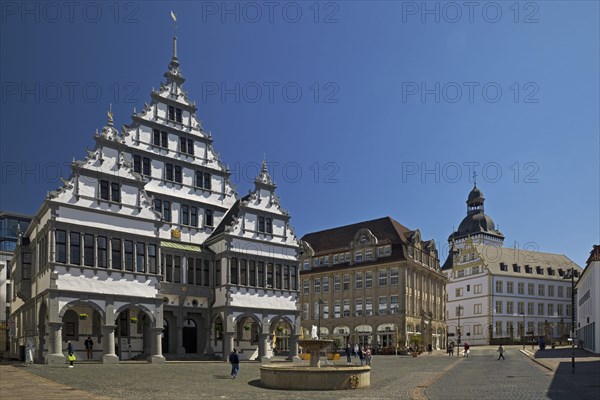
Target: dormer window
[
  {"x": 173, "y": 173},
  {"x": 141, "y": 165},
  {"x": 503, "y": 267},
  {"x": 358, "y": 256},
  {"x": 516, "y": 268},
  {"x": 208, "y": 218},
  {"x": 203, "y": 180},
  {"x": 265, "y": 225},
  {"x": 539, "y": 270},
  {"x": 110, "y": 191},
  {"x": 528, "y": 269},
  {"x": 160, "y": 138},
  {"x": 368, "y": 254},
  {"x": 186, "y": 146},
  {"x": 174, "y": 114}
]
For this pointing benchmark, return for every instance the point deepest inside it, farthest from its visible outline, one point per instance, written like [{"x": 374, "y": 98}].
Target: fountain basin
[{"x": 337, "y": 377}]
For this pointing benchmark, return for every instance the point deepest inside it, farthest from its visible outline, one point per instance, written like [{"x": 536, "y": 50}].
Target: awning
[{"x": 181, "y": 246}]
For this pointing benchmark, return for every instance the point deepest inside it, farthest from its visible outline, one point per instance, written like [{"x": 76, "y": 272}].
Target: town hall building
[{"x": 148, "y": 249}]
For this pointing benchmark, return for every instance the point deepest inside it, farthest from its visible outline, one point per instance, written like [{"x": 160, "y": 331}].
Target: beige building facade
[{"x": 373, "y": 283}]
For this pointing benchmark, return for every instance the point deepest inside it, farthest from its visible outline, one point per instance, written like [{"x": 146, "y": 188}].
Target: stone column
[
  {"x": 294, "y": 348},
  {"x": 208, "y": 349},
  {"x": 156, "y": 357},
  {"x": 227, "y": 344},
  {"x": 109, "y": 356},
  {"x": 180, "y": 348},
  {"x": 55, "y": 355},
  {"x": 263, "y": 345}
]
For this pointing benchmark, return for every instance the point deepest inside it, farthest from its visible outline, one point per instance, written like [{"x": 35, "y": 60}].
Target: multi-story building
[
  {"x": 588, "y": 303},
  {"x": 147, "y": 248},
  {"x": 373, "y": 283},
  {"x": 501, "y": 293},
  {"x": 11, "y": 224}
]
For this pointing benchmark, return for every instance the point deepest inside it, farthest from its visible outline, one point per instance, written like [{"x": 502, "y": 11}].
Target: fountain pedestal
[
  {"x": 314, "y": 347},
  {"x": 314, "y": 377}
]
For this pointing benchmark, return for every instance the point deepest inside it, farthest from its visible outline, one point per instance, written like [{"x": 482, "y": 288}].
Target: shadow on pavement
[
  {"x": 564, "y": 352},
  {"x": 583, "y": 384}
]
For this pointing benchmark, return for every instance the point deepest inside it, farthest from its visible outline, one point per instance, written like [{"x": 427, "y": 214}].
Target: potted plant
[
  {"x": 83, "y": 316},
  {"x": 133, "y": 320},
  {"x": 247, "y": 327},
  {"x": 415, "y": 340}
]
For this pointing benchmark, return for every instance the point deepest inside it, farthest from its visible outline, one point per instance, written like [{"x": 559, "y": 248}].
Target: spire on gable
[
  {"x": 109, "y": 131},
  {"x": 174, "y": 73},
  {"x": 263, "y": 180}
]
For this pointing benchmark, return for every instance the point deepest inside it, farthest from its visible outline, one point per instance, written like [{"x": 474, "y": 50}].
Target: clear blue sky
[{"x": 363, "y": 109}]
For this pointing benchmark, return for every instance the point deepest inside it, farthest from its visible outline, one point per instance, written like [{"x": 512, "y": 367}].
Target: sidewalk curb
[{"x": 529, "y": 355}]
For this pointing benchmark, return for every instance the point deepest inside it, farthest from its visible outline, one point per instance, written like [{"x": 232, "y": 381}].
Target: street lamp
[
  {"x": 523, "y": 331},
  {"x": 458, "y": 310},
  {"x": 571, "y": 274}
]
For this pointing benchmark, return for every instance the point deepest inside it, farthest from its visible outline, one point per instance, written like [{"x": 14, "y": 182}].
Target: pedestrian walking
[
  {"x": 368, "y": 355},
  {"x": 89, "y": 348},
  {"x": 429, "y": 348},
  {"x": 361, "y": 355},
  {"x": 348, "y": 354},
  {"x": 356, "y": 353},
  {"x": 501, "y": 351},
  {"x": 466, "y": 352},
  {"x": 234, "y": 360},
  {"x": 71, "y": 353}
]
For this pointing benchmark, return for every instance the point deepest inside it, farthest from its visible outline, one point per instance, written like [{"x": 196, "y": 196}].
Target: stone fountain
[{"x": 315, "y": 377}]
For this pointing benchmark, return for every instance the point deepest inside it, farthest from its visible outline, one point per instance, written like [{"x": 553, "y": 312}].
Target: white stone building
[
  {"x": 588, "y": 303},
  {"x": 499, "y": 294},
  {"x": 147, "y": 249}
]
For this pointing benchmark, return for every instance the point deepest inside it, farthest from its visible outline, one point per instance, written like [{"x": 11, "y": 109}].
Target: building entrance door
[{"x": 189, "y": 336}]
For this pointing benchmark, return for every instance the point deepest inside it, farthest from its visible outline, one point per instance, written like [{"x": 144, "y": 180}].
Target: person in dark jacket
[
  {"x": 348, "y": 354},
  {"x": 234, "y": 360}
]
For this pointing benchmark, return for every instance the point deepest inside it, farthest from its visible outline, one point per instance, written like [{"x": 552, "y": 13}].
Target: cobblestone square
[{"x": 437, "y": 376}]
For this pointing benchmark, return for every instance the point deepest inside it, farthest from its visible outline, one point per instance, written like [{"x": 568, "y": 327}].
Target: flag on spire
[{"x": 173, "y": 16}]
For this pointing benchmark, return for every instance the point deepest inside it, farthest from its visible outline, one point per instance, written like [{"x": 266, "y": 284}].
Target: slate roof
[
  {"x": 495, "y": 256},
  {"x": 386, "y": 230}
]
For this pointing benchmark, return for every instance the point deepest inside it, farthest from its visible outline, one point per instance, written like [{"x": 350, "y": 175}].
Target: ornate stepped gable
[
  {"x": 90, "y": 185},
  {"x": 243, "y": 217},
  {"x": 164, "y": 154},
  {"x": 204, "y": 180}
]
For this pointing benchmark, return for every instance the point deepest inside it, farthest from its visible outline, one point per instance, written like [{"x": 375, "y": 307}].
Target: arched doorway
[
  {"x": 281, "y": 337},
  {"x": 131, "y": 334},
  {"x": 385, "y": 335},
  {"x": 71, "y": 326},
  {"x": 364, "y": 334},
  {"x": 190, "y": 338}
]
